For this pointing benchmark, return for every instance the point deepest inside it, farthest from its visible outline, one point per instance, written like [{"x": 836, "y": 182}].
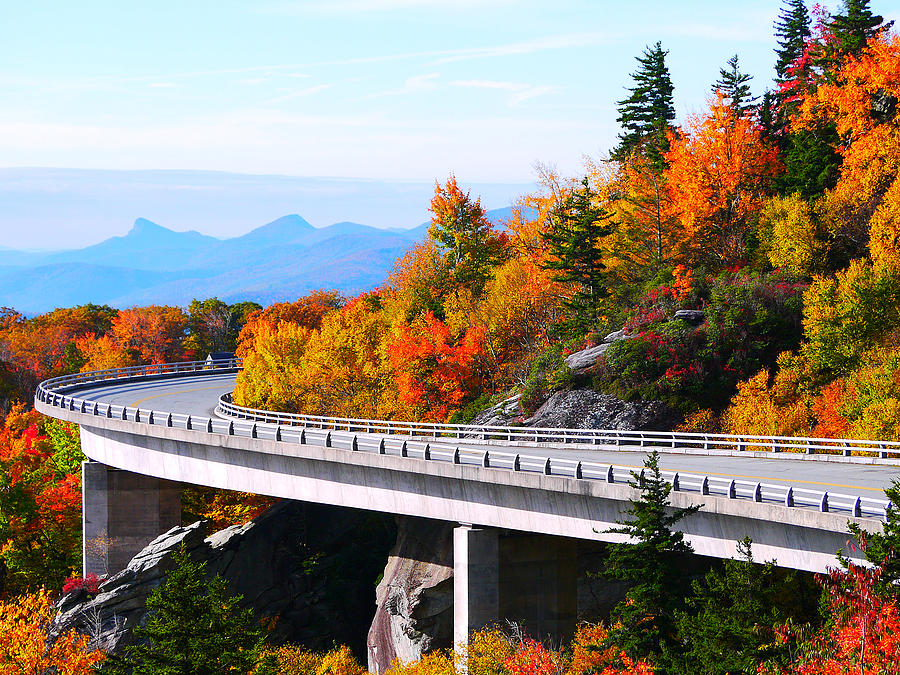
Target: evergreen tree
[
  {"x": 729, "y": 622},
  {"x": 792, "y": 30},
  {"x": 645, "y": 621},
  {"x": 732, "y": 83},
  {"x": 883, "y": 548},
  {"x": 645, "y": 115},
  {"x": 855, "y": 26},
  {"x": 195, "y": 627},
  {"x": 577, "y": 226},
  {"x": 812, "y": 163}
]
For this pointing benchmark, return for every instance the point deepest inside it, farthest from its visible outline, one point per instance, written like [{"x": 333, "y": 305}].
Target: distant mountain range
[{"x": 152, "y": 264}]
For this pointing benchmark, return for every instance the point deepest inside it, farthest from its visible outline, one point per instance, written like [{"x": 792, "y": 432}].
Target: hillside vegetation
[{"x": 776, "y": 219}]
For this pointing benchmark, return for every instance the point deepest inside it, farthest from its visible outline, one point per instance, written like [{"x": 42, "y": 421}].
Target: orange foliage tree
[
  {"x": 432, "y": 373},
  {"x": 151, "y": 334},
  {"x": 24, "y": 648},
  {"x": 721, "y": 170},
  {"x": 860, "y": 99}
]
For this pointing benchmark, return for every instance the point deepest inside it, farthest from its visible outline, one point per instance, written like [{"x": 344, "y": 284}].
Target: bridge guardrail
[{"x": 400, "y": 439}]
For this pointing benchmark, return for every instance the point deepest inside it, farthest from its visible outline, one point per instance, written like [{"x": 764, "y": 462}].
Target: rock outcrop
[
  {"x": 589, "y": 409},
  {"x": 414, "y": 613},
  {"x": 312, "y": 566}
]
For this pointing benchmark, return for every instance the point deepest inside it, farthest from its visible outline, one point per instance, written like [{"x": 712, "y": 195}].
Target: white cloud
[
  {"x": 356, "y": 6},
  {"x": 300, "y": 93},
  {"x": 519, "y": 91}
]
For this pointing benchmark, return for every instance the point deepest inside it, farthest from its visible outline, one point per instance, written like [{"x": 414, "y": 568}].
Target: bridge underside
[{"x": 481, "y": 496}]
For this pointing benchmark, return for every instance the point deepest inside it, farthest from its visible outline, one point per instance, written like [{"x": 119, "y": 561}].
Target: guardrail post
[
  {"x": 706, "y": 442},
  {"x": 882, "y": 453},
  {"x": 381, "y": 448},
  {"x": 578, "y": 471},
  {"x": 327, "y": 439},
  {"x": 857, "y": 508},
  {"x": 404, "y": 450},
  {"x": 775, "y": 447},
  {"x": 302, "y": 439},
  {"x": 757, "y": 493},
  {"x": 278, "y": 432},
  {"x": 137, "y": 414},
  {"x": 124, "y": 415},
  {"x": 676, "y": 484},
  {"x": 83, "y": 406},
  {"x": 808, "y": 449},
  {"x": 547, "y": 467},
  {"x": 456, "y": 455},
  {"x": 230, "y": 428},
  {"x": 253, "y": 432},
  {"x": 209, "y": 428},
  {"x": 517, "y": 466},
  {"x": 789, "y": 497},
  {"x": 96, "y": 408},
  {"x": 847, "y": 450},
  {"x": 823, "y": 504},
  {"x": 610, "y": 475},
  {"x": 732, "y": 490},
  {"x": 150, "y": 418},
  {"x": 354, "y": 444},
  {"x": 426, "y": 453},
  {"x": 72, "y": 403},
  {"x": 187, "y": 423},
  {"x": 704, "y": 486},
  {"x": 486, "y": 459}
]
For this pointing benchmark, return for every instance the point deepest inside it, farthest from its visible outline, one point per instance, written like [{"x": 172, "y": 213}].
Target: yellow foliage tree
[
  {"x": 796, "y": 240},
  {"x": 24, "y": 650},
  {"x": 781, "y": 408}
]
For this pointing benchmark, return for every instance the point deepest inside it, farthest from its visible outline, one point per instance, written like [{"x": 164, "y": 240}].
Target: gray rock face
[
  {"x": 589, "y": 409},
  {"x": 414, "y": 600},
  {"x": 586, "y": 357},
  {"x": 312, "y": 566},
  {"x": 500, "y": 414},
  {"x": 692, "y": 316}
]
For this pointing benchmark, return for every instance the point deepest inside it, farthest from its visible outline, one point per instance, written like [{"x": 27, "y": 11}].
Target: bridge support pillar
[
  {"x": 122, "y": 513},
  {"x": 476, "y": 580},
  {"x": 529, "y": 579}
]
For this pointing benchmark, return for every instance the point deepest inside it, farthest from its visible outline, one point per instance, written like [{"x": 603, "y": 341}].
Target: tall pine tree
[
  {"x": 645, "y": 621},
  {"x": 577, "y": 227},
  {"x": 792, "y": 30},
  {"x": 646, "y": 114},
  {"x": 732, "y": 83},
  {"x": 855, "y": 26}
]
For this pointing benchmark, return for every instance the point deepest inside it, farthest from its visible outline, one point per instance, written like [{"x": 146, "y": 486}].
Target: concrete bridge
[{"x": 148, "y": 429}]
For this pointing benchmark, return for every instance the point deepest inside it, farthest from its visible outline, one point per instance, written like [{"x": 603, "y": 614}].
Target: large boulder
[
  {"x": 313, "y": 567},
  {"x": 589, "y": 409},
  {"x": 414, "y": 613}
]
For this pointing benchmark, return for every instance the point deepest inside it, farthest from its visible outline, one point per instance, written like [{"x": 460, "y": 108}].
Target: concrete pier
[
  {"x": 476, "y": 580},
  {"x": 122, "y": 513}
]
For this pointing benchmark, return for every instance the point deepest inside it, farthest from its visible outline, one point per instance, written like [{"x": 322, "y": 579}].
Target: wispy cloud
[
  {"x": 300, "y": 93},
  {"x": 520, "y": 91},
  {"x": 413, "y": 85},
  {"x": 356, "y": 6}
]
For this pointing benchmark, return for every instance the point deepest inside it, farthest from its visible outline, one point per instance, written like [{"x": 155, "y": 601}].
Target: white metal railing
[{"x": 448, "y": 442}]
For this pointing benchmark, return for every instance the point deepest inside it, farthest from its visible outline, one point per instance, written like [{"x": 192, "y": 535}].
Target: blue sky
[{"x": 379, "y": 89}]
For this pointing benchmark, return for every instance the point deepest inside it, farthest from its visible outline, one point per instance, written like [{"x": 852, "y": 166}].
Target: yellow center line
[{"x": 172, "y": 393}]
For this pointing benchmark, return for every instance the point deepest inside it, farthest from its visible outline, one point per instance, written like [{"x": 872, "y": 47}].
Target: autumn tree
[
  {"x": 574, "y": 238},
  {"x": 25, "y": 649},
  {"x": 720, "y": 173},
  {"x": 305, "y": 312},
  {"x": 464, "y": 235},
  {"x": 646, "y": 114},
  {"x": 214, "y": 326},
  {"x": 854, "y": 26},
  {"x": 151, "y": 334}
]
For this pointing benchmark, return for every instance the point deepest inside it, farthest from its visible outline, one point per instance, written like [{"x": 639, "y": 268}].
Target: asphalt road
[{"x": 198, "y": 395}]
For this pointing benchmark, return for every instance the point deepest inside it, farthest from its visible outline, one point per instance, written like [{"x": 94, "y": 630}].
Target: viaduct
[{"x": 148, "y": 429}]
